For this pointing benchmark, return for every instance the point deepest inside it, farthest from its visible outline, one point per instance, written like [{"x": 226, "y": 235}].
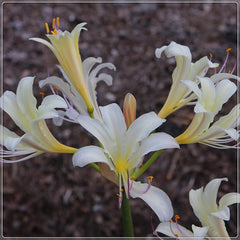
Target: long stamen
[
  {"x": 154, "y": 231},
  {"x": 225, "y": 62}
]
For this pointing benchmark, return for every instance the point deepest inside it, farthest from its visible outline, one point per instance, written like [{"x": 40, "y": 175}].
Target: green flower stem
[
  {"x": 127, "y": 217},
  {"x": 95, "y": 166},
  {"x": 147, "y": 164}
]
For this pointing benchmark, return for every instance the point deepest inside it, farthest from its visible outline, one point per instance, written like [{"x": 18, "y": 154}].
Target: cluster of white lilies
[{"x": 124, "y": 140}]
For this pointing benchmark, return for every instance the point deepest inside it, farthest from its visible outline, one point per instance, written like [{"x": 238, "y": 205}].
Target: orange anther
[
  {"x": 229, "y": 71},
  {"x": 71, "y": 91},
  {"x": 177, "y": 217},
  {"x": 53, "y": 23},
  {"x": 58, "y": 21},
  {"x": 150, "y": 178},
  {"x": 47, "y": 28},
  {"x": 121, "y": 190},
  {"x": 228, "y": 50},
  {"x": 55, "y": 88},
  {"x": 225, "y": 65},
  {"x": 118, "y": 195},
  {"x": 210, "y": 54},
  {"x": 170, "y": 221},
  {"x": 132, "y": 178},
  {"x": 54, "y": 32},
  {"x": 176, "y": 235},
  {"x": 215, "y": 68},
  {"x": 42, "y": 93}
]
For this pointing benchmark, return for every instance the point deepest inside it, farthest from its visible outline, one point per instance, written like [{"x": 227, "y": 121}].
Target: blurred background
[{"x": 47, "y": 196}]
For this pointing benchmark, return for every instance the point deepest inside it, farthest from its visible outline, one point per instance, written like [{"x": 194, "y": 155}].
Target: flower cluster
[{"x": 125, "y": 139}]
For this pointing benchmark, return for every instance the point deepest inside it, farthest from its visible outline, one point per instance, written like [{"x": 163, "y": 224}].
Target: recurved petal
[
  {"x": 24, "y": 96},
  {"x": 229, "y": 199},
  {"x": 171, "y": 229},
  {"x": 114, "y": 120},
  {"x": 224, "y": 90},
  {"x": 199, "y": 232},
  {"x": 97, "y": 129},
  {"x": 154, "y": 142},
  {"x": 47, "y": 108},
  {"x": 174, "y": 49},
  {"x": 210, "y": 192},
  {"x": 192, "y": 87},
  {"x": 157, "y": 199},
  {"x": 89, "y": 154},
  {"x": 143, "y": 126},
  {"x": 223, "y": 213},
  {"x": 229, "y": 120},
  {"x": 221, "y": 76}
]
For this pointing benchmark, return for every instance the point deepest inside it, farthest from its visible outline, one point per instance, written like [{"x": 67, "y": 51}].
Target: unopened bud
[{"x": 129, "y": 109}]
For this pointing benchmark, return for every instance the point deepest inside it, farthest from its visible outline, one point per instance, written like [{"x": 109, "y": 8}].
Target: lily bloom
[
  {"x": 180, "y": 95},
  {"x": 64, "y": 45},
  {"x": 203, "y": 202},
  {"x": 37, "y": 138},
  {"x": 123, "y": 150},
  {"x": 210, "y": 214},
  {"x": 211, "y": 98}
]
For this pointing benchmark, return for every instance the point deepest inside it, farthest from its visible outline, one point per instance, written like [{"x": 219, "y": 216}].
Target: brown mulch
[{"x": 47, "y": 196}]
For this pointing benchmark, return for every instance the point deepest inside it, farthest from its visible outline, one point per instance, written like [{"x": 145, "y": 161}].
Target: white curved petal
[
  {"x": 155, "y": 198},
  {"x": 11, "y": 142},
  {"x": 10, "y": 106},
  {"x": 175, "y": 49},
  {"x": 159, "y": 51},
  {"x": 199, "y": 232},
  {"x": 224, "y": 90},
  {"x": 165, "y": 228},
  {"x": 210, "y": 192},
  {"x": 221, "y": 76},
  {"x": 157, "y": 141},
  {"x": 89, "y": 154},
  {"x": 114, "y": 120},
  {"x": 24, "y": 96},
  {"x": 192, "y": 86},
  {"x": 97, "y": 129},
  {"x": 198, "y": 203},
  {"x": 223, "y": 213},
  {"x": 229, "y": 120},
  {"x": 154, "y": 142},
  {"x": 229, "y": 199},
  {"x": 199, "y": 108},
  {"x": 47, "y": 109},
  {"x": 143, "y": 126},
  {"x": 233, "y": 133}
]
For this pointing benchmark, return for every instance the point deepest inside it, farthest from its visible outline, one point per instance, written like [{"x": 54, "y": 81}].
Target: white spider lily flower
[
  {"x": 21, "y": 107},
  {"x": 123, "y": 151},
  {"x": 211, "y": 214},
  {"x": 211, "y": 98},
  {"x": 91, "y": 76},
  {"x": 64, "y": 45},
  {"x": 180, "y": 94},
  {"x": 173, "y": 229}
]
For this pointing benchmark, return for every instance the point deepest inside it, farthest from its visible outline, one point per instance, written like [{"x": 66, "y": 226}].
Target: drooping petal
[
  {"x": 223, "y": 213},
  {"x": 229, "y": 199},
  {"x": 89, "y": 154},
  {"x": 154, "y": 142},
  {"x": 143, "y": 126},
  {"x": 170, "y": 230},
  {"x": 210, "y": 192},
  {"x": 199, "y": 232},
  {"x": 155, "y": 198}
]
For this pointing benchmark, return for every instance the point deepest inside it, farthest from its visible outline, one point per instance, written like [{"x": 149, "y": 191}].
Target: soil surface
[{"x": 47, "y": 196}]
